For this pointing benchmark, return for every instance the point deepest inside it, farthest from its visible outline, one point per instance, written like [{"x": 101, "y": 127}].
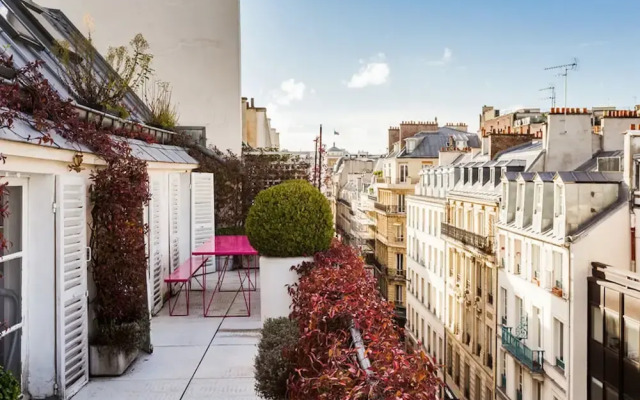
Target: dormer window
[
  {"x": 559, "y": 194},
  {"x": 411, "y": 145}
]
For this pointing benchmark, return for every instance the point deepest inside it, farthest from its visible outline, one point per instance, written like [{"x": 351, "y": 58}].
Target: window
[
  {"x": 557, "y": 271},
  {"x": 404, "y": 172},
  {"x": 399, "y": 293},
  {"x": 520, "y": 197},
  {"x": 399, "y": 262},
  {"x": 11, "y": 266},
  {"x": 559, "y": 200},
  {"x": 559, "y": 342},
  {"x": 503, "y": 296},
  {"x": 535, "y": 263},
  {"x": 401, "y": 203},
  {"x": 519, "y": 310},
  {"x": 612, "y": 329},
  {"x": 505, "y": 190},
  {"x": 537, "y": 199},
  {"x": 631, "y": 339},
  {"x": 520, "y": 379},
  {"x": 596, "y": 324},
  {"x": 597, "y": 390},
  {"x": 536, "y": 330}
]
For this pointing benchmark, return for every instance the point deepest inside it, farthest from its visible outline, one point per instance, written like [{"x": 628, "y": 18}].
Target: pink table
[{"x": 229, "y": 246}]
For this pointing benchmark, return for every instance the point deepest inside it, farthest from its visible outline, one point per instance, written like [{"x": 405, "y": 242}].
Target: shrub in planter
[
  {"x": 9, "y": 386},
  {"x": 272, "y": 364},
  {"x": 286, "y": 224},
  {"x": 291, "y": 219}
]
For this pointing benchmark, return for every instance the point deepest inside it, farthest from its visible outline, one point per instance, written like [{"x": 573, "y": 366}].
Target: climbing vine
[{"x": 118, "y": 195}]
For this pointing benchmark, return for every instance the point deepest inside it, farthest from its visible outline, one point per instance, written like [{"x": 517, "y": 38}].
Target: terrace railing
[
  {"x": 532, "y": 359},
  {"x": 482, "y": 243}
]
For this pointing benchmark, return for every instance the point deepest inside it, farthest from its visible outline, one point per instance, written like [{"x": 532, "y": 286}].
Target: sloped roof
[
  {"x": 431, "y": 142},
  {"x": 592, "y": 177},
  {"x": 592, "y": 163}
]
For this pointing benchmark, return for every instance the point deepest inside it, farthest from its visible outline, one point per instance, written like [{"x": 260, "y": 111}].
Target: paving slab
[
  {"x": 116, "y": 389},
  {"x": 221, "y": 389}
]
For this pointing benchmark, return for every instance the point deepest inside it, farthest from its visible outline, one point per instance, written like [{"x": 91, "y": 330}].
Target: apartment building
[
  {"x": 415, "y": 145},
  {"x": 551, "y": 227},
  {"x": 257, "y": 131}
]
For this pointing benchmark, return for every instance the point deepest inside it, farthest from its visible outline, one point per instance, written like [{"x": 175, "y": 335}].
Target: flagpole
[
  {"x": 315, "y": 159},
  {"x": 320, "y": 161}
]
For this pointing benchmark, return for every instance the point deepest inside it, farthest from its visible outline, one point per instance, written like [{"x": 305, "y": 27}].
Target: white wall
[
  {"x": 567, "y": 141},
  {"x": 196, "y": 47}
]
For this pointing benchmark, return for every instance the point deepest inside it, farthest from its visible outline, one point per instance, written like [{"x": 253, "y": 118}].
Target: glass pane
[
  {"x": 631, "y": 339},
  {"x": 11, "y": 225},
  {"x": 596, "y": 389},
  {"x": 612, "y": 329},
  {"x": 10, "y": 353},
  {"x": 10, "y": 293},
  {"x": 596, "y": 324}
]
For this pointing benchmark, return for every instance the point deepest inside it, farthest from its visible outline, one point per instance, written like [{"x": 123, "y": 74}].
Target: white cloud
[
  {"x": 594, "y": 43},
  {"x": 289, "y": 91},
  {"x": 373, "y": 73},
  {"x": 446, "y": 58}
]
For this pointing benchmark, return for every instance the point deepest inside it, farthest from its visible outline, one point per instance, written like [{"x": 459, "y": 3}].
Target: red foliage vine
[
  {"x": 333, "y": 292},
  {"x": 118, "y": 194}
]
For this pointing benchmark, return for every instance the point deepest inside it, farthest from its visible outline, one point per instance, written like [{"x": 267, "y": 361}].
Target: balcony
[
  {"x": 398, "y": 274},
  {"x": 389, "y": 208},
  {"x": 518, "y": 394},
  {"x": 482, "y": 243},
  {"x": 560, "y": 363},
  {"x": 532, "y": 359},
  {"x": 503, "y": 381}
]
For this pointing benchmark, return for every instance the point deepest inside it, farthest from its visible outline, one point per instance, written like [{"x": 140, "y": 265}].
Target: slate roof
[
  {"x": 593, "y": 177},
  {"x": 546, "y": 176},
  {"x": 592, "y": 164},
  {"x": 152, "y": 152},
  {"x": 431, "y": 142}
]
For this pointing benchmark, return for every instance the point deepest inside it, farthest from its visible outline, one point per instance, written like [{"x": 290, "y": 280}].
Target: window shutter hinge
[{"x": 54, "y": 207}]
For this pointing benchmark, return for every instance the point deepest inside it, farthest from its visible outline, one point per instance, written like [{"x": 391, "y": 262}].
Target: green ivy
[
  {"x": 290, "y": 220},
  {"x": 9, "y": 386}
]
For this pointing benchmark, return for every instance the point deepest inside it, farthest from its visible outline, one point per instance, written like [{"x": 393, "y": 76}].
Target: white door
[
  {"x": 155, "y": 251},
  {"x": 13, "y": 228},
  {"x": 71, "y": 271},
  {"x": 202, "y": 208},
  {"x": 174, "y": 217}
]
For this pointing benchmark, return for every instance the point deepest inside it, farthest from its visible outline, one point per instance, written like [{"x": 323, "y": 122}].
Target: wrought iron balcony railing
[
  {"x": 396, "y": 273},
  {"x": 482, "y": 243},
  {"x": 532, "y": 359}
]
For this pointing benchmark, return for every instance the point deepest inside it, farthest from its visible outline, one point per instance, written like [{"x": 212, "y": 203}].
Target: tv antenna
[
  {"x": 552, "y": 97},
  {"x": 566, "y": 68}
]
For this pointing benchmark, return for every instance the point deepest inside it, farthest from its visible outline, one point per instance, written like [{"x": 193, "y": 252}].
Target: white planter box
[
  {"x": 275, "y": 275},
  {"x": 105, "y": 361}
]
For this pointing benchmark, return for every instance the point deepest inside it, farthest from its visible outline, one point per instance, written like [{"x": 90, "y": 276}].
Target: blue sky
[{"x": 359, "y": 66}]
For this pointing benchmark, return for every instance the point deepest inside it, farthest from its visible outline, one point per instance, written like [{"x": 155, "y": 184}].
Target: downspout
[
  {"x": 56, "y": 321},
  {"x": 633, "y": 240}
]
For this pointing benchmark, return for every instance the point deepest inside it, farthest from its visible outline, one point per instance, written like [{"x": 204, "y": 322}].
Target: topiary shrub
[
  {"x": 10, "y": 387},
  {"x": 272, "y": 364},
  {"x": 289, "y": 220}
]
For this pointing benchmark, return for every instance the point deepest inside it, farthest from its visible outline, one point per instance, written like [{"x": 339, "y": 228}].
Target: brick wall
[
  {"x": 502, "y": 141},
  {"x": 394, "y": 136}
]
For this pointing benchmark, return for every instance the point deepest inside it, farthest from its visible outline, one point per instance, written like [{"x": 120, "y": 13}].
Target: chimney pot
[
  {"x": 633, "y": 127},
  {"x": 584, "y": 110}
]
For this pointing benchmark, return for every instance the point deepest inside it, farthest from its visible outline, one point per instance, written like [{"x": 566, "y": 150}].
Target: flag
[{"x": 335, "y": 133}]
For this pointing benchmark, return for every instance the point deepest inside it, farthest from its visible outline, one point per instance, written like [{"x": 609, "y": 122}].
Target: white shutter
[
  {"x": 71, "y": 271},
  {"x": 174, "y": 217},
  {"x": 155, "y": 256},
  {"x": 202, "y": 211}
]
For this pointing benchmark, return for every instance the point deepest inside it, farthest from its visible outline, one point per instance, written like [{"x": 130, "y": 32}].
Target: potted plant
[{"x": 287, "y": 224}]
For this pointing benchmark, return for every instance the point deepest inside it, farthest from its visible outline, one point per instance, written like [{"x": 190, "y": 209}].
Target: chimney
[
  {"x": 394, "y": 136},
  {"x": 252, "y": 105},
  {"x": 410, "y": 128}
]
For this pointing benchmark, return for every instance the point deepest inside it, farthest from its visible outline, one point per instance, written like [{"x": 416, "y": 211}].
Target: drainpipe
[{"x": 633, "y": 240}]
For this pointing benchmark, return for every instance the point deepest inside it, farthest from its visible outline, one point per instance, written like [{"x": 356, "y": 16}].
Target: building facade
[
  {"x": 199, "y": 56},
  {"x": 552, "y": 225}
]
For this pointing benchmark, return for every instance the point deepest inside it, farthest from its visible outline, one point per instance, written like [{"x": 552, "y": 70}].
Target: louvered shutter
[
  {"x": 155, "y": 256},
  {"x": 202, "y": 211},
  {"x": 174, "y": 217},
  {"x": 71, "y": 271}
]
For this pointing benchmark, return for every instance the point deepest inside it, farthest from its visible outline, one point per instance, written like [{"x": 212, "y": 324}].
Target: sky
[{"x": 360, "y": 66}]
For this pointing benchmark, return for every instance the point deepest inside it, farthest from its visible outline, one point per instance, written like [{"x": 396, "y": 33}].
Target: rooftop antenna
[
  {"x": 566, "y": 68},
  {"x": 552, "y": 89}
]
